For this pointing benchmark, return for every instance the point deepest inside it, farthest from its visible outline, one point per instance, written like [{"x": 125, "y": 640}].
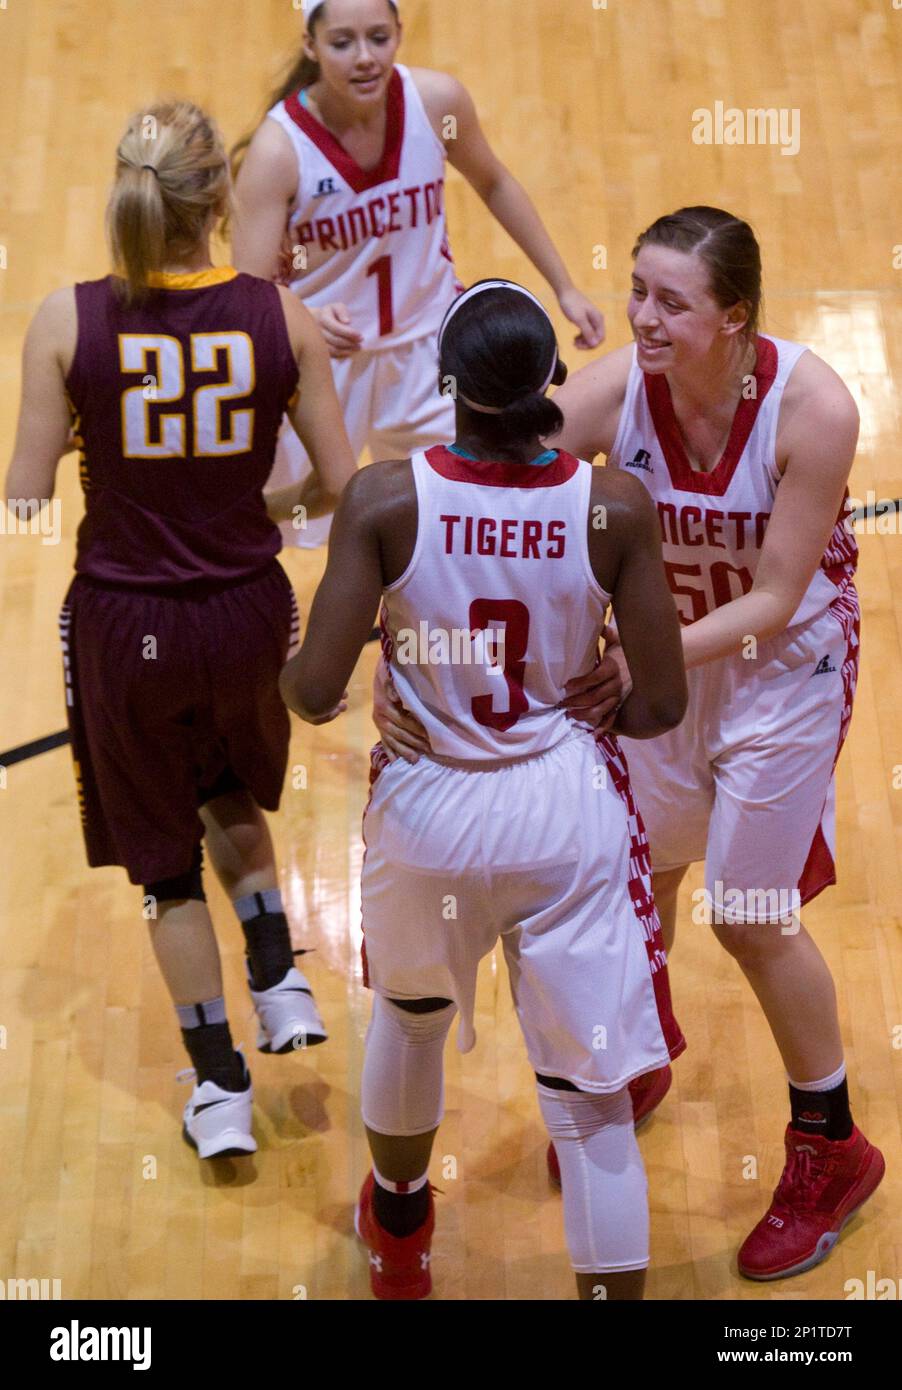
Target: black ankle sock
[
  {"x": 214, "y": 1057},
  {"x": 822, "y": 1112},
  {"x": 268, "y": 943},
  {"x": 400, "y": 1213}
]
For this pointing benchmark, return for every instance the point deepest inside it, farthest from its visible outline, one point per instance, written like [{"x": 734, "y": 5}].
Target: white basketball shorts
[
  {"x": 746, "y": 781},
  {"x": 547, "y": 854}
]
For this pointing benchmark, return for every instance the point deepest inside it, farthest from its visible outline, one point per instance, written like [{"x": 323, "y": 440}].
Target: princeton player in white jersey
[
  {"x": 496, "y": 561},
  {"x": 348, "y": 171},
  {"x": 745, "y": 443}
]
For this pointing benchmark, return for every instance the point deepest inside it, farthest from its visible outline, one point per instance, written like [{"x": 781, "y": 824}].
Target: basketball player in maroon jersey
[
  {"x": 349, "y": 168},
  {"x": 745, "y": 443},
  {"x": 180, "y": 618},
  {"x": 516, "y": 818}
]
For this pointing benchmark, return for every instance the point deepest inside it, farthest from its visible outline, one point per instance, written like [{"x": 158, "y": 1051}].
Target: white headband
[
  {"x": 311, "y": 7},
  {"x": 471, "y": 294}
]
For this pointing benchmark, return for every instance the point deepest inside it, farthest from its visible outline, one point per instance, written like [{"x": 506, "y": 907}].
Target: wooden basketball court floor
[{"x": 592, "y": 107}]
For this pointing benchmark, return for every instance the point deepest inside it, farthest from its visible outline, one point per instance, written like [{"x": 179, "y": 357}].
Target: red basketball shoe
[
  {"x": 399, "y": 1265},
  {"x": 824, "y": 1183},
  {"x": 647, "y": 1092}
]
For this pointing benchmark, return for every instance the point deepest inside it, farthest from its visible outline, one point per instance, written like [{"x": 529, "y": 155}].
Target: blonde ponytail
[{"x": 172, "y": 175}]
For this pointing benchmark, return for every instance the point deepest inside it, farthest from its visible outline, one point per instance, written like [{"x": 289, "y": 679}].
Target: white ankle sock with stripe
[{"x": 401, "y": 1189}]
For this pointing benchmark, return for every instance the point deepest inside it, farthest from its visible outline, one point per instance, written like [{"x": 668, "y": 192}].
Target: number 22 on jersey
[{"x": 215, "y": 431}]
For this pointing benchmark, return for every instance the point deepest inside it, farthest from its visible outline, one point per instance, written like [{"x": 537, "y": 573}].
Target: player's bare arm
[
  {"x": 317, "y": 418},
  {"x": 592, "y": 400},
  {"x": 625, "y": 551},
  {"x": 375, "y": 520},
  {"x": 44, "y": 415},
  {"x": 264, "y": 193},
  {"x": 455, "y": 121},
  {"x": 818, "y": 440}
]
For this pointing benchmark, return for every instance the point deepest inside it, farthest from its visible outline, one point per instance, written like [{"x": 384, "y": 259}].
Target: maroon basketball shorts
[{"x": 172, "y": 700}]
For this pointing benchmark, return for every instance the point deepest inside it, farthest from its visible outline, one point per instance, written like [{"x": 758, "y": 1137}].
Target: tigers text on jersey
[
  {"x": 375, "y": 241},
  {"x": 499, "y": 606},
  {"x": 178, "y": 403},
  {"x": 713, "y": 524}
]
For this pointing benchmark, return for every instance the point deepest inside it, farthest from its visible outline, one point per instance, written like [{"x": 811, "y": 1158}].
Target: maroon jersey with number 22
[{"x": 178, "y": 402}]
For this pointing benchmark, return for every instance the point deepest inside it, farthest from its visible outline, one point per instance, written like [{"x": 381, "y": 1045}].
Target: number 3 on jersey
[{"x": 515, "y": 617}]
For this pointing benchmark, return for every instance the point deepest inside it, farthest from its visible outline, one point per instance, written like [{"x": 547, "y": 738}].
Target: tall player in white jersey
[
  {"x": 496, "y": 561},
  {"x": 348, "y": 169},
  {"x": 745, "y": 443}
]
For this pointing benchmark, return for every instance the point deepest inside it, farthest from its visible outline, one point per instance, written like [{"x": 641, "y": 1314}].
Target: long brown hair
[
  {"x": 300, "y": 73},
  {"x": 728, "y": 247},
  {"x": 172, "y": 172}
]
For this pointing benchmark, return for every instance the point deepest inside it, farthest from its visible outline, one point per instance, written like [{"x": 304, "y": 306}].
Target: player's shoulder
[
  {"x": 816, "y": 402},
  {"x": 270, "y": 153},
  {"x": 624, "y": 494},
  {"x": 440, "y": 93},
  {"x": 813, "y": 383},
  {"x": 378, "y": 491},
  {"x": 56, "y": 317}
]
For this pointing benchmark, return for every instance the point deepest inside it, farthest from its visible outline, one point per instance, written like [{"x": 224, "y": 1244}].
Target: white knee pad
[
  {"x": 603, "y": 1183},
  {"x": 403, "y": 1089}
]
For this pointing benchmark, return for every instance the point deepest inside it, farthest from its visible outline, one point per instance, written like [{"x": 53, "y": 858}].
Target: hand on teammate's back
[
  {"x": 402, "y": 734},
  {"x": 594, "y": 699}
]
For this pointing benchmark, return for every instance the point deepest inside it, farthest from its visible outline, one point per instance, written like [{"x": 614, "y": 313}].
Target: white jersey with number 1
[{"x": 373, "y": 240}]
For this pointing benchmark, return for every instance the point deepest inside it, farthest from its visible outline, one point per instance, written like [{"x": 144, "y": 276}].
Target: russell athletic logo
[
  {"x": 642, "y": 460},
  {"x": 77, "y": 1343},
  {"x": 824, "y": 667},
  {"x": 325, "y": 186}
]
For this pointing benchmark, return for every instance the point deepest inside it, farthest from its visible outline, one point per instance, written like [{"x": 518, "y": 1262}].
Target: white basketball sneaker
[
  {"x": 289, "y": 1018},
  {"x": 217, "y": 1123}
]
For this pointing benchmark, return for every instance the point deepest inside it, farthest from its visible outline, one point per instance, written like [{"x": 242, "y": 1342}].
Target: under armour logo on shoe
[
  {"x": 824, "y": 667},
  {"x": 425, "y": 1257},
  {"x": 376, "y": 1261}
]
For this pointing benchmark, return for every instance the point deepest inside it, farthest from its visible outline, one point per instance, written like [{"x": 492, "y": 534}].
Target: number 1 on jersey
[
  {"x": 382, "y": 268},
  {"x": 515, "y": 617}
]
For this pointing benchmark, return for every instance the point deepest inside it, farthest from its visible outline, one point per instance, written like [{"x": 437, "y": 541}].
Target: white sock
[
  {"x": 401, "y": 1189},
  {"x": 829, "y": 1083}
]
